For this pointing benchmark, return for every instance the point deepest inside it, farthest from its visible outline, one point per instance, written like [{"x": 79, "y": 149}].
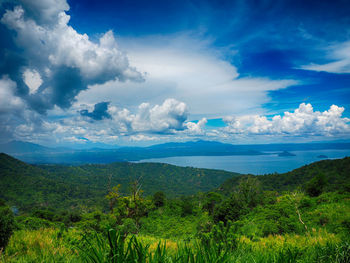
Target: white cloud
[
  {"x": 339, "y": 55},
  {"x": 142, "y": 137},
  {"x": 188, "y": 69},
  {"x": 32, "y": 79},
  {"x": 196, "y": 128},
  {"x": 45, "y": 11},
  {"x": 165, "y": 118},
  {"x": 9, "y": 102},
  {"x": 145, "y": 124},
  {"x": 304, "y": 121},
  {"x": 65, "y": 60},
  {"x": 63, "y": 45}
]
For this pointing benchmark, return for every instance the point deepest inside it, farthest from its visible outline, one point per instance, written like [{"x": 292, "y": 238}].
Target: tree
[
  {"x": 186, "y": 206},
  {"x": 249, "y": 192},
  {"x": 245, "y": 198},
  {"x": 316, "y": 185},
  {"x": 136, "y": 205},
  {"x": 6, "y": 225},
  {"x": 211, "y": 200},
  {"x": 159, "y": 199},
  {"x": 113, "y": 196},
  {"x": 229, "y": 210}
]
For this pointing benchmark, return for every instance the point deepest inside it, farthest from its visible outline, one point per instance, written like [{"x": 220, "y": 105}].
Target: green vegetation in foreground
[
  {"x": 241, "y": 222},
  {"x": 93, "y": 240}
]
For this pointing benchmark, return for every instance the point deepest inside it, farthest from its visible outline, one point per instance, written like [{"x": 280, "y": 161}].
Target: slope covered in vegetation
[
  {"x": 270, "y": 218},
  {"x": 336, "y": 173},
  {"x": 26, "y": 186}
]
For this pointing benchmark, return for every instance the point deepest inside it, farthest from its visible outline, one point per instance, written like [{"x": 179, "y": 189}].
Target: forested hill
[
  {"x": 334, "y": 173},
  {"x": 27, "y": 185},
  {"x": 172, "y": 180}
]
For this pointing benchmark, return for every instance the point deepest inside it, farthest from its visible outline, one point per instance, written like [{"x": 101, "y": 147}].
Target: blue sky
[{"x": 144, "y": 72}]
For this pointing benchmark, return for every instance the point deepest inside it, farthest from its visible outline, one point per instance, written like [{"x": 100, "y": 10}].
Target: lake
[{"x": 253, "y": 164}]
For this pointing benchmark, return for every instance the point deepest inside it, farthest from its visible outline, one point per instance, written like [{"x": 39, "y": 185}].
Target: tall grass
[
  {"x": 120, "y": 249},
  {"x": 53, "y": 245},
  {"x": 44, "y": 245}
]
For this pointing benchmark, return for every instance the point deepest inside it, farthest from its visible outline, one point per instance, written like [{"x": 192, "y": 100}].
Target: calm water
[{"x": 254, "y": 164}]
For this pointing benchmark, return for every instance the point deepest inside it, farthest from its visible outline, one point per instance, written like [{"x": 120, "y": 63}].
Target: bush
[
  {"x": 44, "y": 214},
  {"x": 6, "y": 225},
  {"x": 33, "y": 223},
  {"x": 186, "y": 207},
  {"x": 316, "y": 185},
  {"x": 128, "y": 227},
  {"x": 159, "y": 199},
  {"x": 224, "y": 236}
]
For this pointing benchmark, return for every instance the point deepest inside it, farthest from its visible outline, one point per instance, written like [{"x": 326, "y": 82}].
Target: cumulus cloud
[
  {"x": 51, "y": 62},
  {"x": 32, "y": 79},
  {"x": 9, "y": 102},
  {"x": 17, "y": 121},
  {"x": 340, "y": 60},
  {"x": 44, "y": 11},
  {"x": 99, "y": 112},
  {"x": 196, "y": 128},
  {"x": 168, "y": 117},
  {"x": 148, "y": 122},
  {"x": 304, "y": 121}
]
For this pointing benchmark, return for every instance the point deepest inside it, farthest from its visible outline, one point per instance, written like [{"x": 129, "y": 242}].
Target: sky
[{"x": 89, "y": 73}]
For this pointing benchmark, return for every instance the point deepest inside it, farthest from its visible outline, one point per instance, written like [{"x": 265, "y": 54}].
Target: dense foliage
[
  {"x": 248, "y": 219},
  {"x": 6, "y": 224},
  {"x": 332, "y": 175},
  {"x": 27, "y": 186}
]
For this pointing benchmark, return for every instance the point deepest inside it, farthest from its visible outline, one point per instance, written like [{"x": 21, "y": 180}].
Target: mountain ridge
[{"x": 37, "y": 154}]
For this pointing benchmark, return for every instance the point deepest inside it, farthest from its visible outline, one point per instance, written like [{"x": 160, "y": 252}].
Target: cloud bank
[
  {"x": 106, "y": 123},
  {"x": 304, "y": 121}
]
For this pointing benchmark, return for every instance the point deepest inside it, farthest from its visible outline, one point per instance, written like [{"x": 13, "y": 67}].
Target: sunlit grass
[
  {"x": 44, "y": 245},
  {"x": 53, "y": 245}
]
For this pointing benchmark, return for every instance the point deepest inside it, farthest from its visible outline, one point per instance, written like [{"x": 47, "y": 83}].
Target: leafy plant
[{"x": 6, "y": 225}]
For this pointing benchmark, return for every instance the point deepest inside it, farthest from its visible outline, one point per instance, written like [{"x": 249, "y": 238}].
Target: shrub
[
  {"x": 316, "y": 185},
  {"x": 159, "y": 199},
  {"x": 222, "y": 235},
  {"x": 128, "y": 227},
  {"x": 33, "y": 223},
  {"x": 6, "y": 225}
]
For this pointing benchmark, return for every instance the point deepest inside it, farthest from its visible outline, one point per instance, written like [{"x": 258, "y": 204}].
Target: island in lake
[{"x": 285, "y": 153}]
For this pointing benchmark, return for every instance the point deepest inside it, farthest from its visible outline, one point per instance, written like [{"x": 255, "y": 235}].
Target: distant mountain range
[
  {"x": 19, "y": 147},
  {"x": 35, "y": 153}
]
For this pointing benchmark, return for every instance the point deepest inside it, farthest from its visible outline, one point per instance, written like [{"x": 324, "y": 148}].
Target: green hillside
[
  {"x": 335, "y": 172},
  {"x": 25, "y": 185},
  {"x": 68, "y": 214}
]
